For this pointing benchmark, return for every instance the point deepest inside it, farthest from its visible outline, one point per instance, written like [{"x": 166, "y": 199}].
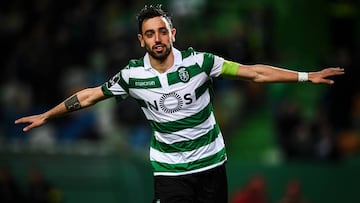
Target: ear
[
  {"x": 173, "y": 33},
  {"x": 141, "y": 40}
]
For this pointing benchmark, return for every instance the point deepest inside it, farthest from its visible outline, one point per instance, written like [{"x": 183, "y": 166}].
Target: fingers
[
  {"x": 24, "y": 120},
  {"x": 27, "y": 128},
  {"x": 334, "y": 71},
  {"x": 323, "y": 76},
  {"x": 327, "y": 81},
  {"x": 30, "y": 126},
  {"x": 29, "y": 119},
  {"x": 21, "y": 120}
]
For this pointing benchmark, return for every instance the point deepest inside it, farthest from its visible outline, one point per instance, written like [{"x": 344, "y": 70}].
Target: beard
[{"x": 159, "y": 55}]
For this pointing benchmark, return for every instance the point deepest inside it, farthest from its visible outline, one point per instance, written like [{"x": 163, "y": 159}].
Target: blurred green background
[{"x": 304, "y": 132}]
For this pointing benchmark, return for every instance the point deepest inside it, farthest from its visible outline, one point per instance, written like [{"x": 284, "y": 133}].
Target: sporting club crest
[{"x": 183, "y": 74}]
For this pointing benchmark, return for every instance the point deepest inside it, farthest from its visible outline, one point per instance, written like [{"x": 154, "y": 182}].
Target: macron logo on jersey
[{"x": 145, "y": 83}]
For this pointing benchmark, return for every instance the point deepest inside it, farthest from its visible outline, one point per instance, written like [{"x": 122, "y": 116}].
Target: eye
[
  {"x": 164, "y": 31},
  {"x": 149, "y": 35}
]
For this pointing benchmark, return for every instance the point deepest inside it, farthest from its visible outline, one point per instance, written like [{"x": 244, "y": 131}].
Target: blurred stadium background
[{"x": 309, "y": 133}]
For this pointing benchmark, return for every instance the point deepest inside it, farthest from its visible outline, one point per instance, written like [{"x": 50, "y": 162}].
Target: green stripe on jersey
[
  {"x": 187, "y": 53},
  {"x": 136, "y": 63},
  {"x": 144, "y": 83},
  {"x": 184, "y": 167},
  {"x": 123, "y": 84},
  {"x": 202, "y": 89},
  {"x": 189, "y": 122},
  {"x": 208, "y": 62},
  {"x": 193, "y": 70},
  {"x": 187, "y": 145}
]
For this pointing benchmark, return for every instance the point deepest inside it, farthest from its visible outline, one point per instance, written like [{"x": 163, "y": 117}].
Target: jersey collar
[{"x": 177, "y": 59}]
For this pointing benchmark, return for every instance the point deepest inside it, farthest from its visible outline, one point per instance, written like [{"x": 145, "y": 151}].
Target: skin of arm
[
  {"x": 82, "y": 99},
  {"x": 267, "y": 74}
]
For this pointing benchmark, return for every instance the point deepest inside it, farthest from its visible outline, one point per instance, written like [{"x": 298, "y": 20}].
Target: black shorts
[{"x": 203, "y": 187}]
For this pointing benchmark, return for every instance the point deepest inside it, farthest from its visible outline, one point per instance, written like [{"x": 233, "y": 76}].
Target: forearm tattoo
[{"x": 72, "y": 104}]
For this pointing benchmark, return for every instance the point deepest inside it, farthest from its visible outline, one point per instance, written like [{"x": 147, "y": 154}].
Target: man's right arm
[{"x": 82, "y": 99}]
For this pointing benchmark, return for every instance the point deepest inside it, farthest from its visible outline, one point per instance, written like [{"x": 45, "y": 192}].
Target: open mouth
[{"x": 159, "y": 48}]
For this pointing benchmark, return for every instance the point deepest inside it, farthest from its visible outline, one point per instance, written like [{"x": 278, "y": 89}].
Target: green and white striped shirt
[{"x": 186, "y": 137}]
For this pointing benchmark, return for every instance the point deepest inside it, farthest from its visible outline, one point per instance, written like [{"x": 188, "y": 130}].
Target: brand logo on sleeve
[{"x": 113, "y": 81}]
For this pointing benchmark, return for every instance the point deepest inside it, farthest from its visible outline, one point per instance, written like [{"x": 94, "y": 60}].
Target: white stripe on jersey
[
  {"x": 159, "y": 116},
  {"x": 186, "y": 157},
  {"x": 187, "y": 134}
]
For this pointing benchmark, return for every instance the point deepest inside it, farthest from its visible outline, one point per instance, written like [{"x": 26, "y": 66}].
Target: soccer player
[{"x": 173, "y": 88}]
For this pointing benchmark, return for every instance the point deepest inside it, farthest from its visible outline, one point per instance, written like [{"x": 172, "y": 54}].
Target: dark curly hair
[{"x": 151, "y": 11}]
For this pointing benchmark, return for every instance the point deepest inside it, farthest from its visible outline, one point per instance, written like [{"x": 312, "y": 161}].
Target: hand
[
  {"x": 33, "y": 121},
  {"x": 322, "y": 76}
]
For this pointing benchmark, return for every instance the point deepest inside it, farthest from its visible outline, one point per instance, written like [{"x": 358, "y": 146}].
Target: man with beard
[{"x": 173, "y": 88}]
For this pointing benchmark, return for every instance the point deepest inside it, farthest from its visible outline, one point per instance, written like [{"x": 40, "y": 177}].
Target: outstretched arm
[
  {"x": 79, "y": 100},
  {"x": 267, "y": 74}
]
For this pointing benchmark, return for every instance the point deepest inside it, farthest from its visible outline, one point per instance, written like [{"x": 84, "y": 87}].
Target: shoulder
[
  {"x": 186, "y": 53},
  {"x": 133, "y": 68},
  {"x": 135, "y": 63},
  {"x": 191, "y": 52}
]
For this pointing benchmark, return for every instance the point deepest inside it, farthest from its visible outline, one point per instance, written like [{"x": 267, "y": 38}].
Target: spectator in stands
[
  {"x": 293, "y": 193},
  {"x": 254, "y": 191}
]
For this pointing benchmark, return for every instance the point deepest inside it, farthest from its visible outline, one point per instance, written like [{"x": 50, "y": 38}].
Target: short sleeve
[
  {"x": 217, "y": 66},
  {"x": 116, "y": 86},
  {"x": 211, "y": 64}
]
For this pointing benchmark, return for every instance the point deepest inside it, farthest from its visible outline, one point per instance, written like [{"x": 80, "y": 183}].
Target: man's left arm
[{"x": 267, "y": 74}]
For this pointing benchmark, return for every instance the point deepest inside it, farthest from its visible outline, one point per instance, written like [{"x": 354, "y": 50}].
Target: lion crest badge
[{"x": 183, "y": 74}]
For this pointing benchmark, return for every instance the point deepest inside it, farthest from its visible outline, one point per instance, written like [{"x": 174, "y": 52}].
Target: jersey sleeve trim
[{"x": 106, "y": 91}]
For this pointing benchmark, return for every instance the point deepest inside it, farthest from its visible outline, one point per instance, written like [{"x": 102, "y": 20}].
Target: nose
[{"x": 157, "y": 37}]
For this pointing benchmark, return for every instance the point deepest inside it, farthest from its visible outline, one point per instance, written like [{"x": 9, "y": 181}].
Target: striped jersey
[{"x": 185, "y": 135}]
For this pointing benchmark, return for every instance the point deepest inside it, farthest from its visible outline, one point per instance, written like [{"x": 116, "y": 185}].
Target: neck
[{"x": 162, "y": 65}]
